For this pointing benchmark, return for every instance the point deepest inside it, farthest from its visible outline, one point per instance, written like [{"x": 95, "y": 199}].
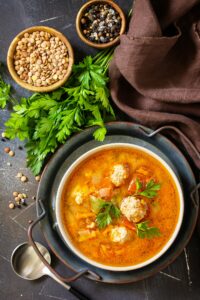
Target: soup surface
[{"x": 120, "y": 207}]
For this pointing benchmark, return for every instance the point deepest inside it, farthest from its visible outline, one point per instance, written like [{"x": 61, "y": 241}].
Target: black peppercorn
[{"x": 101, "y": 23}]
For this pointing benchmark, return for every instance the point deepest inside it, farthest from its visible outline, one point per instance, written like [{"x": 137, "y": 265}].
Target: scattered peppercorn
[
  {"x": 6, "y": 149},
  {"x": 11, "y": 153},
  {"x": 24, "y": 178},
  {"x": 23, "y": 201},
  {"x": 11, "y": 205},
  {"x": 41, "y": 59},
  {"x": 101, "y": 23},
  {"x": 20, "y": 147}
]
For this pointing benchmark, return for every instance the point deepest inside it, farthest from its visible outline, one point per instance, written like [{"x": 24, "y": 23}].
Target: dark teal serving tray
[{"x": 79, "y": 144}]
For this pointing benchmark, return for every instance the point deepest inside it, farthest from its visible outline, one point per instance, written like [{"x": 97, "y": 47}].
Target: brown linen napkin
[{"x": 155, "y": 73}]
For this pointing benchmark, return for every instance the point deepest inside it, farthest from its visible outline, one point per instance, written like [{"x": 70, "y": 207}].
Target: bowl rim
[
  {"x": 65, "y": 236},
  {"x": 11, "y": 51},
  {"x": 103, "y": 45}
]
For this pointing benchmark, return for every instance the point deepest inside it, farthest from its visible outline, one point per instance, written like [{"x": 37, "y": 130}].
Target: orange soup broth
[{"x": 94, "y": 173}]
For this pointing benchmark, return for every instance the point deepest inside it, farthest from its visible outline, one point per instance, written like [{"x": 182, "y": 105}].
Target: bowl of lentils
[
  {"x": 40, "y": 59},
  {"x": 100, "y": 23}
]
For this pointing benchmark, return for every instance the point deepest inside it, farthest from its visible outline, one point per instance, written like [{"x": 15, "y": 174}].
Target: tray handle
[
  {"x": 194, "y": 193},
  {"x": 180, "y": 133},
  {"x": 33, "y": 244}
]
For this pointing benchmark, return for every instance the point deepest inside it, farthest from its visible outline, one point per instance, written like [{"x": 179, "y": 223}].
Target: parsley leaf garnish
[
  {"x": 150, "y": 190},
  {"x": 106, "y": 211},
  {"x": 144, "y": 231}
]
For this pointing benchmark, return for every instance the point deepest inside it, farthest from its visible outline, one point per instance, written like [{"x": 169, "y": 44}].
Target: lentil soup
[{"x": 120, "y": 207}]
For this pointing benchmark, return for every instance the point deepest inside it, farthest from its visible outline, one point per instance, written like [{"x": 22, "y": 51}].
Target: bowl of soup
[{"x": 119, "y": 207}]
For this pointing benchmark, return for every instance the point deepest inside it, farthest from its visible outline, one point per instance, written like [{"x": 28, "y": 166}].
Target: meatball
[
  {"x": 133, "y": 209},
  {"x": 120, "y": 174},
  {"x": 118, "y": 234}
]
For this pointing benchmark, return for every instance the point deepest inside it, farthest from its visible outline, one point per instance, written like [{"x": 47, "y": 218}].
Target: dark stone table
[{"x": 181, "y": 280}]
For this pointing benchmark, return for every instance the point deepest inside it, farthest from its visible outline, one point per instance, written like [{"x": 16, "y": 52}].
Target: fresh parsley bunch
[{"x": 47, "y": 120}]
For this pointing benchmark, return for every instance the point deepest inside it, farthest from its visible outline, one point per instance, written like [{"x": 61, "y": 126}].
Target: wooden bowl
[
  {"x": 78, "y": 23},
  {"x": 11, "y": 52}
]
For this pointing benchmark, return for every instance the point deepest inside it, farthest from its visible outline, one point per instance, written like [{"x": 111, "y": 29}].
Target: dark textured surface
[{"x": 179, "y": 281}]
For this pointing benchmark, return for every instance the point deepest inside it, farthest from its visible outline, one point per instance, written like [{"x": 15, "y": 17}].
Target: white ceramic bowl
[{"x": 65, "y": 235}]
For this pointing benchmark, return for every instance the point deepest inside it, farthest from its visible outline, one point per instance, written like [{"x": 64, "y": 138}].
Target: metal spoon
[{"x": 27, "y": 265}]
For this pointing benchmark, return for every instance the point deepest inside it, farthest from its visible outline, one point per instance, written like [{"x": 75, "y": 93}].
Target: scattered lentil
[
  {"x": 24, "y": 178},
  {"x": 37, "y": 178},
  {"x": 101, "y": 23},
  {"x": 17, "y": 199},
  {"x": 15, "y": 194},
  {"x": 19, "y": 175},
  {"x": 11, "y": 205},
  {"x": 6, "y": 149},
  {"x": 11, "y": 153},
  {"x": 38, "y": 53}
]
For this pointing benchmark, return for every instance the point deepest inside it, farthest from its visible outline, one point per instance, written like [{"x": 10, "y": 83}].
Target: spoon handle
[
  {"x": 72, "y": 290},
  {"x": 77, "y": 294}
]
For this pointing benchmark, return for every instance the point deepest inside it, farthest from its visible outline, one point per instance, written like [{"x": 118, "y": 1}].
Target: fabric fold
[{"x": 155, "y": 73}]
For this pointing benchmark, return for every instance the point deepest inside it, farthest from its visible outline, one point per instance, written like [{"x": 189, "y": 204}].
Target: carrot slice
[{"x": 128, "y": 224}]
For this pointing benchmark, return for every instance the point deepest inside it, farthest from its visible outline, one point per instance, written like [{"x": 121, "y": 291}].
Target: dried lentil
[
  {"x": 19, "y": 175},
  {"x": 37, "y": 178},
  {"x": 15, "y": 194},
  {"x": 101, "y": 23},
  {"x": 24, "y": 178},
  {"x": 38, "y": 53},
  {"x": 11, "y": 205},
  {"x": 11, "y": 153}
]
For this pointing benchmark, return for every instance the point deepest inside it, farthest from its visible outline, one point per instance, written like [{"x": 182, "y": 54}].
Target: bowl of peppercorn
[
  {"x": 100, "y": 23},
  {"x": 40, "y": 59}
]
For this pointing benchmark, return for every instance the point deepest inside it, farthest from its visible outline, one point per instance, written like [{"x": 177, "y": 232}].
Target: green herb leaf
[
  {"x": 105, "y": 211},
  {"x": 4, "y": 93},
  {"x": 144, "y": 231},
  {"x": 138, "y": 185},
  {"x": 99, "y": 134},
  {"x": 150, "y": 190}
]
